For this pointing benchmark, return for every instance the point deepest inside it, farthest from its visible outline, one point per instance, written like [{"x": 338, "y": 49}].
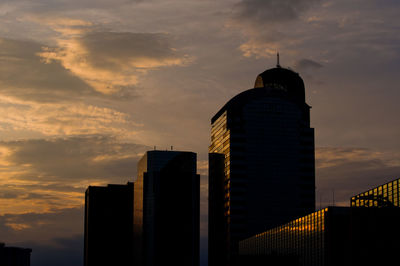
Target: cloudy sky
[{"x": 86, "y": 87}]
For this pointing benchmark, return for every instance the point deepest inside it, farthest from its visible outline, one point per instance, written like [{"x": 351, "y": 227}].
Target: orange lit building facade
[{"x": 261, "y": 162}]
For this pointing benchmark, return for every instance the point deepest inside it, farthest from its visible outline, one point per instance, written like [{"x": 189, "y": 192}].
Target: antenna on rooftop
[{"x": 277, "y": 60}]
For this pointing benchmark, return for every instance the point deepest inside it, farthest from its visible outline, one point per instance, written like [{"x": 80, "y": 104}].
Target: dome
[{"x": 283, "y": 79}]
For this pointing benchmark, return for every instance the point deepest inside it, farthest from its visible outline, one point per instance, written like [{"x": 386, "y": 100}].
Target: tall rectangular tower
[
  {"x": 265, "y": 172},
  {"x": 167, "y": 206},
  {"x": 109, "y": 225}
]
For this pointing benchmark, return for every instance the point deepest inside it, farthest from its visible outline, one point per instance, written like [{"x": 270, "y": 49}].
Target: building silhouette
[
  {"x": 14, "y": 256},
  {"x": 333, "y": 236},
  {"x": 109, "y": 225},
  {"x": 367, "y": 233},
  {"x": 166, "y": 211},
  {"x": 261, "y": 162}
]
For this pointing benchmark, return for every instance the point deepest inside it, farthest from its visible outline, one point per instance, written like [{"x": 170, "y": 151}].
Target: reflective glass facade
[
  {"x": 220, "y": 143},
  {"x": 219, "y": 192},
  {"x": 303, "y": 238},
  {"x": 268, "y": 177},
  {"x": 385, "y": 195},
  {"x": 333, "y": 236}
]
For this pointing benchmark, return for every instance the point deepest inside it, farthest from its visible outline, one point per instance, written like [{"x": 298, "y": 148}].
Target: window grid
[{"x": 384, "y": 195}]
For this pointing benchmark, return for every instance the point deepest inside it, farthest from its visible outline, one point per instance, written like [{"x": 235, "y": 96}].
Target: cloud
[
  {"x": 328, "y": 29},
  {"x": 264, "y": 12},
  {"x": 24, "y": 75},
  {"x": 63, "y": 118},
  {"x": 85, "y": 63},
  {"x": 267, "y": 24},
  {"x": 41, "y": 227},
  {"x": 113, "y": 61},
  {"x": 46, "y": 174},
  {"x": 66, "y": 251},
  {"x": 75, "y": 158},
  {"x": 114, "y": 50},
  {"x": 307, "y": 64},
  {"x": 58, "y": 6},
  {"x": 344, "y": 172}
]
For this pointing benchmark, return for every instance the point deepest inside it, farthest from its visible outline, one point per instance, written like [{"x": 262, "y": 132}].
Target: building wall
[
  {"x": 303, "y": 239},
  {"x": 14, "y": 256},
  {"x": 169, "y": 208},
  {"x": 269, "y": 173},
  {"x": 109, "y": 225},
  {"x": 217, "y": 219},
  {"x": 329, "y": 237},
  {"x": 138, "y": 211}
]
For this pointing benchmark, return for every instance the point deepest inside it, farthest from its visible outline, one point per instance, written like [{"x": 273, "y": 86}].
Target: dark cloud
[
  {"x": 38, "y": 196},
  {"x": 74, "y": 4},
  {"x": 270, "y": 25},
  {"x": 62, "y": 6},
  {"x": 109, "y": 50},
  {"x": 20, "y": 192},
  {"x": 66, "y": 251},
  {"x": 75, "y": 158},
  {"x": 8, "y": 195},
  {"x": 24, "y": 74},
  {"x": 112, "y": 62},
  {"x": 41, "y": 227},
  {"x": 261, "y": 12},
  {"x": 307, "y": 64},
  {"x": 58, "y": 187}
]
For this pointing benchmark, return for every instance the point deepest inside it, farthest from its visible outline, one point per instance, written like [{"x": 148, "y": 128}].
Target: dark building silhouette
[
  {"x": 330, "y": 237},
  {"x": 14, "y": 256},
  {"x": 109, "y": 225},
  {"x": 167, "y": 206},
  {"x": 266, "y": 173},
  {"x": 386, "y": 195}
]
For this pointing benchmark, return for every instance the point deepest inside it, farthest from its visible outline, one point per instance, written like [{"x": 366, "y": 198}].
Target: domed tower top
[{"x": 282, "y": 79}]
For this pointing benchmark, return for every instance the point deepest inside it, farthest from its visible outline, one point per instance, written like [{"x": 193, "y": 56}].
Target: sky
[{"x": 88, "y": 86}]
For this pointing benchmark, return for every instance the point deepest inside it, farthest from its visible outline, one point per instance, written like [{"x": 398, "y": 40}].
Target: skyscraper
[
  {"x": 261, "y": 163},
  {"x": 14, "y": 256},
  {"x": 109, "y": 225},
  {"x": 166, "y": 211}
]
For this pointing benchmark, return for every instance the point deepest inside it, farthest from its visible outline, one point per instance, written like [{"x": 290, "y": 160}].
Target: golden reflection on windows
[
  {"x": 220, "y": 143},
  {"x": 303, "y": 237},
  {"x": 384, "y": 195}
]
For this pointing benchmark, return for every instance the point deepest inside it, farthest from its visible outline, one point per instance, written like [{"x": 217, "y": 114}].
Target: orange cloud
[
  {"x": 108, "y": 61},
  {"x": 63, "y": 119},
  {"x": 46, "y": 175}
]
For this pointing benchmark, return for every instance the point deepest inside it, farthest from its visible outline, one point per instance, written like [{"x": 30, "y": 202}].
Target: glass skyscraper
[
  {"x": 261, "y": 163},
  {"x": 167, "y": 209}
]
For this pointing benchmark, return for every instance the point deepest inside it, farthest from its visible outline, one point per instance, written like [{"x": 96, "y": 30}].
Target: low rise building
[{"x": 329, "y": 237}]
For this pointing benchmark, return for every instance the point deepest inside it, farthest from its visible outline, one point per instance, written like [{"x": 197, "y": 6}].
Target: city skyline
[{"x": 87, "y": 87}]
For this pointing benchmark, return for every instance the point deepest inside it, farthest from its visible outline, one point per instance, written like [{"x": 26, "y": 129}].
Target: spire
[{"x": 277, "y": 60}]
